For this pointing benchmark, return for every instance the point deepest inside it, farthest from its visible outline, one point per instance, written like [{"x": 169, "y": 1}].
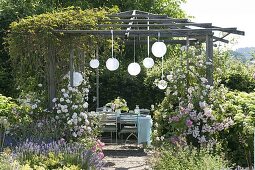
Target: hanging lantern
[
  {"x": 134, "y": 69},
  {"x": 148, "y": 62},
  {"x": 77, "y": 79},
  {"x": 112, "y": 64},
  {"x": 159, "y": 49},
  {"x": 162, "y": 84},
  {"x": 94, "y": 63}
]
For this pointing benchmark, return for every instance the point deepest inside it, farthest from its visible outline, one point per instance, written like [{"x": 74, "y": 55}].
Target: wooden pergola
[{"x": 135, "y": 23}]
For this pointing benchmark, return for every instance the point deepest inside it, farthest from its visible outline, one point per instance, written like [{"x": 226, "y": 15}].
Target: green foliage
[
  {"x": 177, "y": 158},
  {"x": 35, "y": 34},
  {"x": 238, "y": 140},
  {"x": 239, "y": 76},
  {"x": 7, "y": 162}
]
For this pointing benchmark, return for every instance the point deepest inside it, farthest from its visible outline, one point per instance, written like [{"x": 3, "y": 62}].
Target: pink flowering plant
[{"x": 191, "y": 110}]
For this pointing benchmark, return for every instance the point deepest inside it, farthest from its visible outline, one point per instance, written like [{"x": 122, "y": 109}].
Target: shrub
[
  {"x": 58, "y": 155},
  {"x": 177, "y": 158},
  {"x": 238, "y": 139}
]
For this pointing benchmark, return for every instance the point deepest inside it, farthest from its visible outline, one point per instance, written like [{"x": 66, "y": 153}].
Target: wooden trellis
[{"x": 135, "y": 23}]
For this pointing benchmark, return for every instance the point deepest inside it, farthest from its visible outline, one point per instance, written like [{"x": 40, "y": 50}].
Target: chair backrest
[
  {"x": 108, "y": 117},
  {"x": 128, "y": 118}
]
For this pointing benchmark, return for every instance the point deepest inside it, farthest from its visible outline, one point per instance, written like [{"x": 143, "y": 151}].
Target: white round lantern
[
  {"x": 94, "y": 63},
  {"x": 134, "y": 69},
  {"x": 158, "y": 49},
  {"x": 112, "y": 64},
  {"x": 162, "y": 84},
  {"x": 148, "y": 62},
  {"x": 77, "y": 79}
]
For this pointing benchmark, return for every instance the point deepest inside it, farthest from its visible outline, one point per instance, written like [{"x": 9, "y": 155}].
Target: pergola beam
[
  {"x": 138, "y": 15},
  {"x": 203, "y": 25},
  {"x": 145, "y": 20},
  {"x": 146, "y": 32},
  {"x": 181, "y": 42}
]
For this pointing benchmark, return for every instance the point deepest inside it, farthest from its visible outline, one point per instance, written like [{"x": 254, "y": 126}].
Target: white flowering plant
[
  {"x": 191, "y": 110},
  {"x": 71, "y": 112}
]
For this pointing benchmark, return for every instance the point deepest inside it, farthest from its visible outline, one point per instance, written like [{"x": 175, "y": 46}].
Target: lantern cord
[
  {"x": 162, "y": 74},
  {"x": 148, "y": 40},
  {"x": 158, "y": 35},
  {"x": 134, "y": 49},
  {"x": 148, "y": 44},
  {"x": 112, "y": 42}
]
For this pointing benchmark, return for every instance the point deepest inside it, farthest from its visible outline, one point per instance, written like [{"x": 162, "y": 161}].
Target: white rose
[
  {"x": 86, "y": 122},
  {"x": 74, "y": 115},
  {"x": 74, "y": 134},
  {"x": 89, "y": 129},
  {"x": 208, "y": 86},
  {"x": 58, "y": 111},
  {"x": 65, "y": 110},
  {"x": 190, "y": 106},
  {"x": 65, "y": 95},
  {"x": 202, "y": 104},
  {"x": 169, "y": 77},
  {"x": 39, "y": 85},
  {"x": 61, "y": 99},
  {"x": 63, "y": 90},
  {"x": 157, "y": 138},
  {"x": 85, "y": 105},
  {"x": 162, "y": 138},
  {"x": 69, "y": 122},
  {"x": 204, "y": 80},
  {"x": 82, "y": 114},
  {"x": 75, "y": 121},
  {"x": 68, "y": 101}
]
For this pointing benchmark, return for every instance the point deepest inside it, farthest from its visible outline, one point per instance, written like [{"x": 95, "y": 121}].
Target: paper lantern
[
  {"x": 134, "y": 69},
  {"x": 158, "y": 49},
  {"x": 112, "y": 64},
  {"x": 162, "y": 84},
  {"x": 77, "y": 79},
  {"x": 148, "y": 62},
  {"x": 94, "y": 63}
]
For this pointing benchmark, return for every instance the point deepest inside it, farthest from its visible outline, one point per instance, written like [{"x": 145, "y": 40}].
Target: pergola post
[
  {"x": 71, "y": 66},
  {"x": 97, "y": 78},
  {"x": 51, "y": 75},
  {"x": 209, "y": 59}
]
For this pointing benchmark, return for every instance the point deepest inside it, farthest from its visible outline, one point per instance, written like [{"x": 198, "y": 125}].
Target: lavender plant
[{"x": 58, "y": 154}]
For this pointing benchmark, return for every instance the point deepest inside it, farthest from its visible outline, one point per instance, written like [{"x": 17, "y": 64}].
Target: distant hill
[{"x": 244, "y": 54}]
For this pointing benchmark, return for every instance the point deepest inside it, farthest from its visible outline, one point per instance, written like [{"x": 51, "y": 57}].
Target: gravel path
[{"x": 120, "y": 157}]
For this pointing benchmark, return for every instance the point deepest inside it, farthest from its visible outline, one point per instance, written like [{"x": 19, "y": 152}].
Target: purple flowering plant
[{"x": 57, "y": 154}]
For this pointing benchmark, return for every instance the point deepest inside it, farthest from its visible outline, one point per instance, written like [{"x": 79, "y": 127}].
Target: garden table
[{"x": 144, "y": 124}]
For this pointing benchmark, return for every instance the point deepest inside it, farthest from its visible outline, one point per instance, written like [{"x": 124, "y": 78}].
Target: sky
[{"x": 226, "y": 13}]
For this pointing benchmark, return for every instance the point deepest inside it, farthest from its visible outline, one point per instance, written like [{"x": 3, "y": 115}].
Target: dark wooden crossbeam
[
  {"x": 203, "y": 25},
  {"x": 146, "y": 20},
  {"x": 148, "y": 32},
  {"x": 138, "y": 16},
  {"x": 143, "y": 42}
]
